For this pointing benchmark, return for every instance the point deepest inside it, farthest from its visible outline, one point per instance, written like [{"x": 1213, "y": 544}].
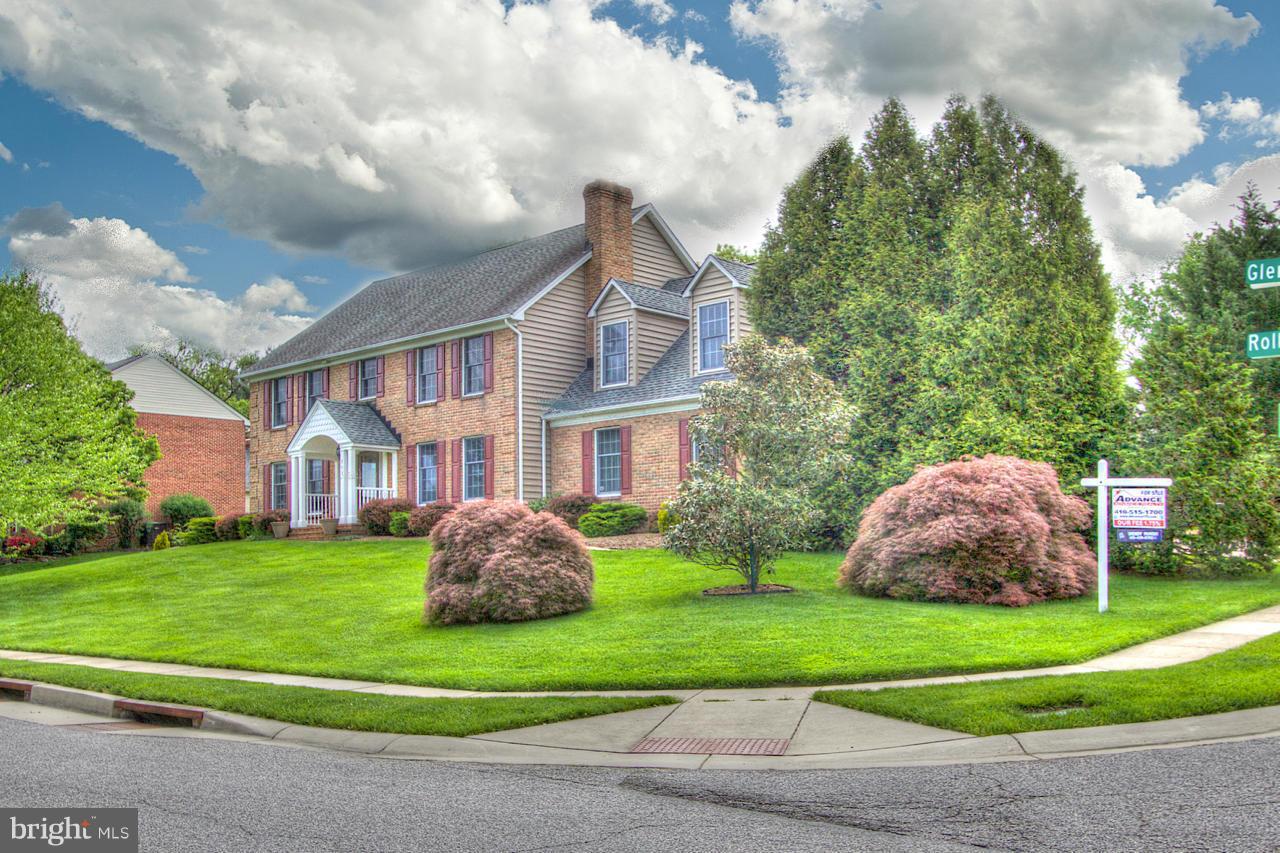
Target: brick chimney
[{"x": 608, "y": 218}]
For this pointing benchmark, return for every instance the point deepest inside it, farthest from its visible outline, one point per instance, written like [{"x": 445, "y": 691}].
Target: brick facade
[
  {"x": 493, "y": 413},
  {"x": 655, "y": 456},
  {"x": 608, "y": 227},
  {"x": 200, "y": 456}
]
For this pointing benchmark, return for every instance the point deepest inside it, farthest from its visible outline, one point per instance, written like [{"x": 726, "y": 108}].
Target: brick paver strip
[{"x": 715, "y": 745}]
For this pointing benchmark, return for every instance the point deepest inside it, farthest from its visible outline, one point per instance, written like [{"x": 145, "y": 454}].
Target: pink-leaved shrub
[
  {"x": 995, "y": 530},
  {"x": 501, "y": 562}
]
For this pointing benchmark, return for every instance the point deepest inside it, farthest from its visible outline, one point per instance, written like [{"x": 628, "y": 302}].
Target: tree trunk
[{"x": 754, "y": 580}]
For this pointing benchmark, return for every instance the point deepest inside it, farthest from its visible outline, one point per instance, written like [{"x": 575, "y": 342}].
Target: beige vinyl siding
[
  {"x": 616, "y": 308},
  {"x": 654, "y": 262},
  {"x": 655, "y": 333},
  {"x": 161, "y": 389},
  {"x": 715, "y": 286},
  {"x": 554, "y": 355}
]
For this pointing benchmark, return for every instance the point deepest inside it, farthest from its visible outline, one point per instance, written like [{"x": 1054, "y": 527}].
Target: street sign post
[
  {"x": 1262, "y": 344},
  {"x": 1263, "y": 272},
  {"x": 1103, "y": 483}
]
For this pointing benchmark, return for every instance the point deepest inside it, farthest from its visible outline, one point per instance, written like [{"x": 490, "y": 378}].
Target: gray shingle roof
[
  {"x": 361, "y": 422},
  {"x": 743, "y": 273},
  {"x": 651, "y": 298},
  {"x": 490, "y": 285},
  {"x": 677, "y": 285},
  {"x": 669, "y": 378}
]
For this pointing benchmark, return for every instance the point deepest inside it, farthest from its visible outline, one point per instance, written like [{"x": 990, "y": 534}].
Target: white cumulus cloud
[{"x": 5, "y": 154}]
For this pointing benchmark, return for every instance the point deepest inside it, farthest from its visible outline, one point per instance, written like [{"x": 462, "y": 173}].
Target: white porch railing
[
  {"x": 321, "y": 506},
  {"x": 364, "y": 494}
]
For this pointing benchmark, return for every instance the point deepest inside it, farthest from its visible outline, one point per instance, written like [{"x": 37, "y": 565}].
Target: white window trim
[
  {"x": 465, "y": 392},
  {"x": 697, "y": 319},
  {"x": 417, "y": 386},
  {"x": 626, "y": 352},
  {"x": 417, "y": 455},
  {"x": 465, "y": 478},
  {"x": 283, "y": 466},
  {"x": 275, "y": 403},
  {"x": 595, "y": 462},
  {"x": 360, "y": 395}
]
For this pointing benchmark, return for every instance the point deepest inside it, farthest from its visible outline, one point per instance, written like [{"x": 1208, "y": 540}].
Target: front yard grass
[
  {"x": 1247, "y": 677},
  {"x": 334, "y": 709},
  {"x": 353, "y": 610}
]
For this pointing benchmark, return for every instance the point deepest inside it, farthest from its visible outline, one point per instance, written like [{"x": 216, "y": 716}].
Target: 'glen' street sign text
[{"x": 1264, "y": 272}]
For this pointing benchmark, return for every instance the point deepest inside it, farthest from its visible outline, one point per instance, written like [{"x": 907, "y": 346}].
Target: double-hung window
[
  {"x": 279, "y": 402},
  {"x": 609, "y": 462},
  {"x": 427, "y": 390},
  {"x": 279, "y": 485},
  {"x": 368, "y": 378},
  {"x": 473, "y": 468},
  {"x": 613, "y": 354},
  {"x": 315, "y": 477},
  {"x": 315, "y": 387},
  {"x": 473, "y": 366},
  {"x": 427, "y": 481},
  {"x": 713, "y": 334}
]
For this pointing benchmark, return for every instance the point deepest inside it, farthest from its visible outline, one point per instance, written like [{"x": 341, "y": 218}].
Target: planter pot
[
  {"x": 329, "y": 526},
  {"x": 279, "y": 529}
]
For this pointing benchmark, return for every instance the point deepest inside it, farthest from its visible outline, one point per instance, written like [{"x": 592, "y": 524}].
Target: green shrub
[
  {"x": 180, "y": 509},
  {"x": 127, "y": 516},
  {"x": 538, "y": 504},
  {"x": 612, "y": 519},
  {"x": 245, "y": 527},
  {"x": 569, "y": 508},
  {"x": 667, "y": 517},
  {"x": 399, "y": 525},
  {"x": 227, "y": 528},
  {"x": 162, "y": 541},
  {"x": 376, "y": 515},
  {"x": 423, "y": 519},
  {"x": 75, "y": 536},
  {"x": 200, "y": 531}
]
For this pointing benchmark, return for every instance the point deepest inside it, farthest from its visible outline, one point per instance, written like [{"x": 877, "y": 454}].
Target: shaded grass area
[
  {"x": 334, "y": 709},
  {"x": 1247, "y": 677},
  {"x": 353, "y": 610}
]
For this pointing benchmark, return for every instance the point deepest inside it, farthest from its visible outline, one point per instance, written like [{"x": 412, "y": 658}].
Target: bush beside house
[
  {"x": 376, "y": 515},
  {"x": 569, "y": 508},
  {"x": 200, "y": 531},
  {"x": 228, "y": 528},
  {"x": 613, "y": 519},
  {"x": 180, "y": 509},
  {"x": 423, "y": 519}
]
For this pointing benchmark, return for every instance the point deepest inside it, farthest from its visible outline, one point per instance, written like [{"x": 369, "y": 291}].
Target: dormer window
[
  {"x": 713, "y": 335},
  {"x": 613, "y": 354}
]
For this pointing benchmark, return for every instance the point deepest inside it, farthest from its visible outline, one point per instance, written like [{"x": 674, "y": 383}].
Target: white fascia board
[
  {"x": 706, "y": 265},
  {"x": 519, "y": 313},
  {"x": 625, "y": 410},
  {"x": 667, "y": 234}
]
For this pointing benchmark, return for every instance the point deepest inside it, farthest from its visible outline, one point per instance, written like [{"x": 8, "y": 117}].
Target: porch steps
[{"x": 316, "y": 532}]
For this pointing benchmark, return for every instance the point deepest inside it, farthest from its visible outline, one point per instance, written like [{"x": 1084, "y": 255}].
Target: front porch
[{"x": 342, "y": 457}]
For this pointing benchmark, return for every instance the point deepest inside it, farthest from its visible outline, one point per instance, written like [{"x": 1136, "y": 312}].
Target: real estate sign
[
  {"x": 1139, "y": 508},
  {"x": 1262, "y": 344},
  {"x": 1135, "y": 536},
  {"x": 1264, "y": 272}
]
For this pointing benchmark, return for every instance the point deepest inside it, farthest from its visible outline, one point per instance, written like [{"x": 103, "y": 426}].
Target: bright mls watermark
[{"x": 102, "y": 830}]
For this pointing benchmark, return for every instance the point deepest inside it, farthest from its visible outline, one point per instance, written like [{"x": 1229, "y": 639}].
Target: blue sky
[{"x": 316, "y": 196}]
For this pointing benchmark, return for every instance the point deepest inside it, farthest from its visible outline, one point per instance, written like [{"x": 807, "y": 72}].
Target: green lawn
[
  {"x": 334, "y": 709},
  {"x": 353, "y": 610},
  {"x": 1247, "y": 677}
]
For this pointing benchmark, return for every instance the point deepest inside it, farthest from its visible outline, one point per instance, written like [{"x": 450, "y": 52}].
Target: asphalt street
[{"x": 207, "y": 794}]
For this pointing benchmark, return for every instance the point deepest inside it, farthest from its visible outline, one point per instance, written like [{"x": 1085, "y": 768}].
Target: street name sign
[
  {"x": 1262, "y": 344},
  {"x": 1138, "y": 508},
  {"x": 1264, "y": 272},
  {"x": 1104, "y": 483}
]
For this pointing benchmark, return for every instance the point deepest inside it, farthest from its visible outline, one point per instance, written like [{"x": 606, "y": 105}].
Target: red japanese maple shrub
[
  {"x": 375, "y": 516},
  {"x": 569, "y": 508},
  {"x": 500, "y": 562},
  {"x": 423, "y": 519},
  {"x": 995, "y": 530}
]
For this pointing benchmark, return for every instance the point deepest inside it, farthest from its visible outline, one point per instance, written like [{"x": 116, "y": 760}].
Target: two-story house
[{"x": 562, "y": 363}]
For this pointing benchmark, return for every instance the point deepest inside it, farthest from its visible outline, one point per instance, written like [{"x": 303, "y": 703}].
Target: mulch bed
[
  {"x": 627, "y": 542},
  {"x": 743, "y": 589}
]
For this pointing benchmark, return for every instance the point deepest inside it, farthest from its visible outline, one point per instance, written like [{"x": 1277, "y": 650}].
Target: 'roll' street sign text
[{"x": 1262, "y": 344}]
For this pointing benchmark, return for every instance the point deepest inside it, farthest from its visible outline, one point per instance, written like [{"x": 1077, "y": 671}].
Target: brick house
[
  {"x": 202, "y": 439},
  {"x": 567, "y": 362}
]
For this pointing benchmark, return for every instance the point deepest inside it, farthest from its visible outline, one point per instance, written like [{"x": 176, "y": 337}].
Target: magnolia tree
[{"x": 766, "y": 440}]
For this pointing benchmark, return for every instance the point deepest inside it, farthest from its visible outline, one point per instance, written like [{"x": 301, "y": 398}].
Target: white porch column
[
  {"x": 393, "y": 476},
  {"x": 298, "y": 489},
  {"x": 348, "y": 486}
]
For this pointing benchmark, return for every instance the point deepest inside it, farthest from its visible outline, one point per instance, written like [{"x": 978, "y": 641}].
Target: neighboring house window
[
  {"x": 315, "y": 476},
  {"x": 279, "y": 486},
  {"x": 473, "y": 468},
  {"x": 713, "y": 334},
  {"x": 609, "y": 462},
  {"x": 613, "y": 354},
  {"x": 279, "y": 402},
  {"x": 427, "y": 481},
  {"x": 368, "y": 378},
  {"x": 427, "y": 390},
  {"x": 473, "y": 366},
  {"x": 315, "y": 387}
]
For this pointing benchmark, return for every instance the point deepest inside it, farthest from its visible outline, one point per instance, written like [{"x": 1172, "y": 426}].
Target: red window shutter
[
  {"x": 324, "y": 386},
  {"x": 382, "y": 375},
  {"x": 457, "y": 470},
  {"x": 266, "y": 487},
  {"x": 588, "y": 462},
  {"x": 290, "y": 396},
  {"x": 440, "y": 494},
  {"x": 353, "y": 380},
  {"x": 301, "y": 381},
  {"x": 488, "y": 362},
  {"x": 410, "y": 377},
  {"x": 456, "y": 380},
  {"x": 440, "y": 389},
  {"x": 410, "y": 469},
  {"x": 266, "y": 404},
  {"x": 488, "y": 467},
  {"x": 288, "y": 488},
  {"x": 686, "y": 450},
  {"x": 624, "y": 442}
]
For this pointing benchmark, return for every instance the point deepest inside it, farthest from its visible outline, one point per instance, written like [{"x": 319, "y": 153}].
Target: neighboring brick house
[
  {"x": 202, "y": 439},
  {"x": 566, "y": 362}
]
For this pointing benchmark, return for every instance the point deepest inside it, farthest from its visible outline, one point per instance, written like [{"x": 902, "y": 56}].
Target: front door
[{"x": 370, "y": 471}]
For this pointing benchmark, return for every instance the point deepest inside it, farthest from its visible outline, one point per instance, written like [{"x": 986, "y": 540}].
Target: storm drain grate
[{"x": 715, "y": 745}]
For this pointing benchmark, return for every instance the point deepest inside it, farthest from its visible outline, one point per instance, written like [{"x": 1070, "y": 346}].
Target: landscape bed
[{"x": 354, "y": 610}]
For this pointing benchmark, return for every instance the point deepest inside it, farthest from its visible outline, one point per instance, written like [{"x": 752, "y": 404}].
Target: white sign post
[{"x": 1139, "y": 508}]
